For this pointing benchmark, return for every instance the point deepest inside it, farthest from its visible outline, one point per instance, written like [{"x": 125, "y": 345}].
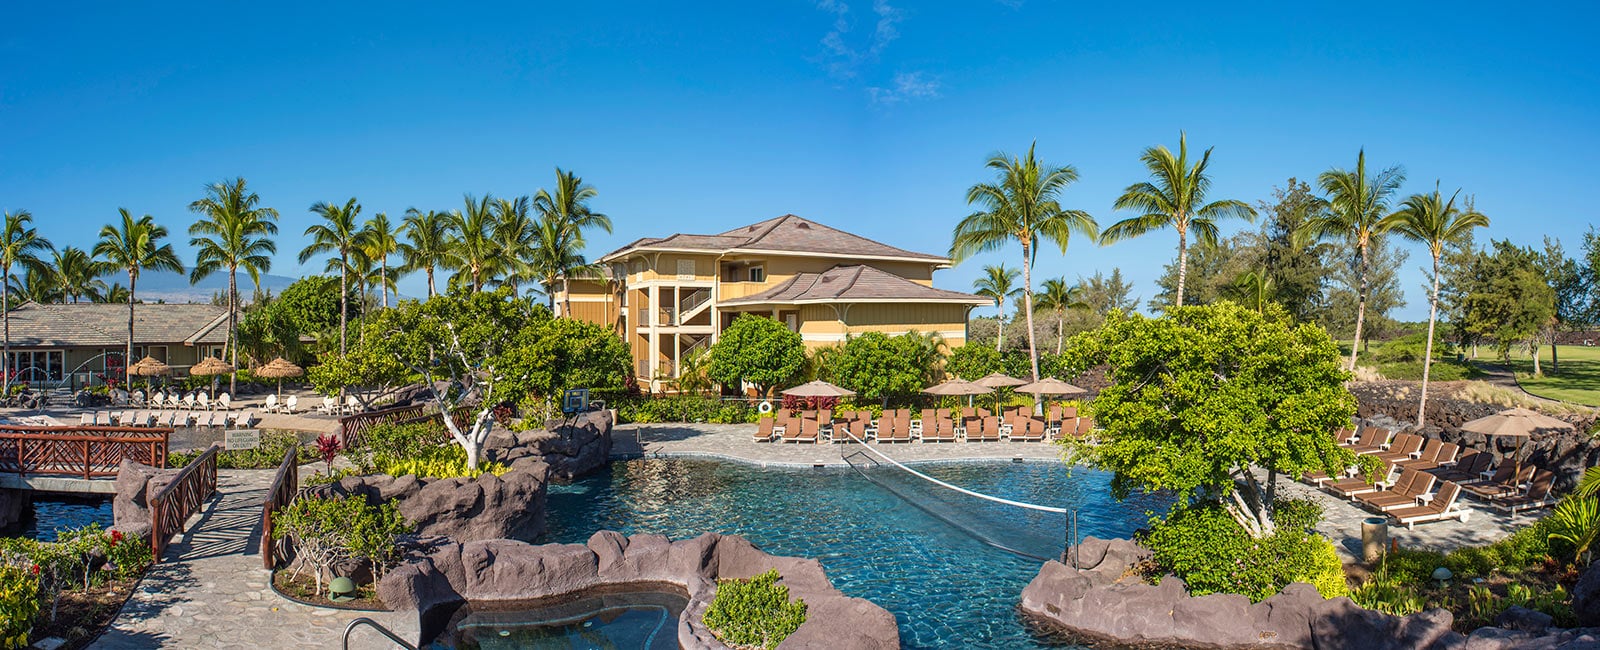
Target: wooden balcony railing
[
  {"x": 87, "y": 452},
  {"x": 171, "y": 508},
  {"x": 285, "y": 485}
]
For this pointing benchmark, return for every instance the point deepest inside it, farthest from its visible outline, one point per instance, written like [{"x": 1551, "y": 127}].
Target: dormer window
[{"x": 757, "y": 274}]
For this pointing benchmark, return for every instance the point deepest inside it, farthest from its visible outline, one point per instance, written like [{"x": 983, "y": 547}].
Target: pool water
[
  {"x": 52, "y": 513},
  {"x": 936, "y": 565},
  {"x": 642, "y": 620}
]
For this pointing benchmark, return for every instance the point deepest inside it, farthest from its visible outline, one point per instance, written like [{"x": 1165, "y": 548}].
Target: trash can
[{"x": 1374, "y": 538}]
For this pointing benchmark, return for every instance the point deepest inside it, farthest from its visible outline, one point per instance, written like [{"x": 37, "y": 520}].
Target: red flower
[
  {"x": 35, "y": 569},
  {"x": 116, "y": 536}
]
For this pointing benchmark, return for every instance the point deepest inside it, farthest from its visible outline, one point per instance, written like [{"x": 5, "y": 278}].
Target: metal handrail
[{"x": 376, "y": 626}]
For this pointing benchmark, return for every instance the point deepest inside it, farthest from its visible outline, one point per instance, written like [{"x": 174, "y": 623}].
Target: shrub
[
  {"x": 1205, "y": 547},
  {"x": 755, "y": 612},
  {"x": 327, "y": 531},
  {"x": 1389, "y": 595},
  {"x": 437, "y": 462},
  {"x": 19, "y": 604},
  {"x": 274, "y": 444}
]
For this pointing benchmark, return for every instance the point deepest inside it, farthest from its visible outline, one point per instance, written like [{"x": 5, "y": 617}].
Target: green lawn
[{"x": 1578, "y": 381}]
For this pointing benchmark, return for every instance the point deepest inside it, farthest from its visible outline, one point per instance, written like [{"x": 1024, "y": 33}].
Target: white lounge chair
[
  {"x": 290, "y": 404},
  {"x": 272, "y": 404},
  {"x": 86, "y": 420},
  {"x": 1442, "y": 506},
  {"x": 225, "y": 402},
  {"x": 245, "y": 419},
  {"x": 329, "y": 406},
  {"x": 102, "y": 419},
  {"x": 188, "y": 401},
  {"x": 352, "y": 405},
  {"x": 202, "y": 401},
  {"x": 137, "y": 398}
]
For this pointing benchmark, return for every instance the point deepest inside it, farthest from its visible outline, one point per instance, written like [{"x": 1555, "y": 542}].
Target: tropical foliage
[{"x": 757, "y": 350}]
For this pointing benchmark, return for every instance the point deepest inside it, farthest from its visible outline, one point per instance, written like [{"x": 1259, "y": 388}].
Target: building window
[
  {"x": 215, "y": 351},
  {"x": 37, "y": 365},
  {"x": 757, "y": 274},
  {"x": 685, "y": 269}
]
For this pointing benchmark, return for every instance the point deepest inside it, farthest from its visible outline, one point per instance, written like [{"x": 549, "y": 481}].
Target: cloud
[
  {"x": 845, "y": 51},
  {"x": 905, "y": 86}
]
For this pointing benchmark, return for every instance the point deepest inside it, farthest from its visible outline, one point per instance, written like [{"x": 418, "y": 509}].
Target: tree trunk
[
  {"x": 1027, "y": 297},
  {"x": 344, "y": 299},
  {"x": 1000, "y": 332},
  {"x": 1183, "y": 260},
  {"x": 5, "y": 303},
  {"x": 383, "y": 277},
  {"x": 430, "y": 281},
  {"x": 1427, "y": 357},
  {"x": 127, "y": 359},
  {"x": 1535, "y": 349},
  {"x": 1061, "y": 330},
  {"x": 1361, "y": 304},
  {"x": 1555, "y": 358},
  {"x": 233, "y": 329}
]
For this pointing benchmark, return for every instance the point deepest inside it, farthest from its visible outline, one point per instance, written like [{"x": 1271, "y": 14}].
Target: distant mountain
[{"x": 175, "y": 287}]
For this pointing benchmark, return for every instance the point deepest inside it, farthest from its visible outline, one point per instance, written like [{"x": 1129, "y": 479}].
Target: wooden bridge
[{"x": 79, "y": 451}]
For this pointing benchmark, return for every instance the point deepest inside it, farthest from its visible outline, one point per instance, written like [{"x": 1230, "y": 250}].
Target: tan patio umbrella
[
  {"x": 210, "y": 366},
  {"x": 958, "y": 387},
  {"x": 148, "y": 367},
  {"x": 1519, "y": 423},
  {"x": 278, "y": 369},
  {"x": 1048, "y": 386},
  {"x": 818, "y": 388},
  {"x": 999, "y": 380}
]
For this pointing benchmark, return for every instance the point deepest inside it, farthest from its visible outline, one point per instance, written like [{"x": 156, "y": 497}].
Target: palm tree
[
  {"x": 114, "y": 294},
  {"x": 1356, "y": 207},
  {"x": 556, "y": 256},
  {"x": 475, "y": 250},
  {"x": 998, "y": 283},
  {"x": 427, "y": 244},
  {"x": 75, "y": 275},
  {"x": 567, "y": 211},
  {"x": 1021, "y": 206},
  {"x": 1176, "y": 198},
  {"x": 1058, "y": 296},
  {"x": 20, "y": 245},
  {"x": 514, "y": 231},
  {"x": 340, "y": 234},
  {"x": 135, "y": 246},
  {"x": 1253, "y": 289},
  {"x": 380, "y": 245},
  {"x": 1434, "y": 222},
  {"x": 37, "y": 285},
  {"x": 235, "y": 232}
]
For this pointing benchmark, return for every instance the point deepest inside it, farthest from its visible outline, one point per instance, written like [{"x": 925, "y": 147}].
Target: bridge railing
[
  {"x": 285, "y": 485},
  {"x": 171, "y": 508},
  {"x": 78, "y": 450},
  {"x": 352, "y": 426}
]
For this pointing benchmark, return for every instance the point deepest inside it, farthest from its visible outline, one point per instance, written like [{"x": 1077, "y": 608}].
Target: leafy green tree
[
  {"x": 1256, "y": 290},
  {"x": 474, "y": 250},
  {"x": 1058, "y": 296},
  {"x": 973, "y": 362},
  {"x": 1021, "y": 206},
  {"x": 757, "y": 350},
  {"x": 381, "y": 244},
  {"x": 341, "y": 235},
  {"x": 234, "y": 232},
  {"x": 564, "y": 215},
  {"x": 557, "y": 256},
  {"x": 1211, "y": 268},
  {"x": 135, "y": 246},
  {"x": 1507, "y": 298},
  {"x": 879, "y": 367},
  {"x": 1176, "y": 198},
  {"x": 1356, "y": 206},
  {"x": 1384, "y": 293},
  {"x": 998, "y": 283},
  {"x": 1432, "y": 221},
  {"x": 427, "y": 244},
  {"x": 1202, "y": 395},
  {"x": 75, "y": 275},
  {"x": 1292, "y": 258},
  {"x": 1103, "y": 293},
  {"x": 20, "y": 246},
  {"x": 1566, "y": 280}
]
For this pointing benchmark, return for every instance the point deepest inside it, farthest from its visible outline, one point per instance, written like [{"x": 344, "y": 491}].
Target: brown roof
[
  {"x": 103, "y": 325},
  {"x": 853, "y": 283},
  {"x": 785, "y": 234}
]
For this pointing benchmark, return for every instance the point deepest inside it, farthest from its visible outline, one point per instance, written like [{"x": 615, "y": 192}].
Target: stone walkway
[{"x": 211, "y": 592}]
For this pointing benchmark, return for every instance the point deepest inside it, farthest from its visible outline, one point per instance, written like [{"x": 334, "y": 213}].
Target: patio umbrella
[
  {"x": 278, "y": 369},
  {"x": 1048, "y": 386},
  {"x": 958, "y": 387},
  {"x": 210, "y": 366},
  {"x": 148, "y": 367},
  {"x": 999, "y": 380},
  {"x": 1519, "y": 423},
  {"x": 818, "y": 388}
]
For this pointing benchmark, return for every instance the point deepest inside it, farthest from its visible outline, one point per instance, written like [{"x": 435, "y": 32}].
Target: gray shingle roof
[
  {"x": 787, "y": 233},
  {"x": 101, "y": 324},
  {"x": 854, "y": 283}
]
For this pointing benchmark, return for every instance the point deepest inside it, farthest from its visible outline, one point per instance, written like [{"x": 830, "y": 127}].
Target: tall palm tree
[
  {"x": 557, "y": 256},
  {"x": 475, "y": 250},
  {"x": 1021, "y": 206},
  {"x": 1177, "y": 198},
  {"x": 514, "y": 231},
  {"x": 427, "y": 244},
  {"x": 20, "y": 246},
  {"x": 339, "y": 234},
  {"x": 113, "y": 294},
  {"x": 1254, "y": 289},
  {"x": 37, "y": 285},
  {"x": 381, "y": 244},
  {"x": 1058, "y": 296},
  {"x": 568, "y": 208},
  {"x": 1356, "y": 207},
  {"x": 1434, "y": 222},
  {"x": 75, "y": 275},
  {"x": 234, "y": 232},
  {"x": 135, "y": 246},
  {"x": 998, "y": 283}
]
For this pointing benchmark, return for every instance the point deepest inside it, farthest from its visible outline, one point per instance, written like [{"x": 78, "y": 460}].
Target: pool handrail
[{"x": 376, "y": 626}]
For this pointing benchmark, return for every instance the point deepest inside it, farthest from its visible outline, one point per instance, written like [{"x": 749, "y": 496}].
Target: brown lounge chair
[
  {"x": 1026, "y": 429},
  {"x": 1404, "y": 447},
  {"x": 1467, "y": 469},
  {"x": 1085, "y": 427},
  {"x": 1412, "y": 484},
  {"x": 936, "y": 426},
  {"x": 803, "y": 431},
  {"x": 764, "y": 430},
  {"x": 988, "y": 429},
  {"x": 1503, "y": 483},
  {"x": 1537, "y": 496},
  {"x": 1373, "y": 441},
  {"x": 1439, "y": 453},
  {"x": 1443, "y": 506},
  {"x": 1351, "y": 487},
  {"x": 898, "y": 428},
  {"x": 1345, "y": 437}
]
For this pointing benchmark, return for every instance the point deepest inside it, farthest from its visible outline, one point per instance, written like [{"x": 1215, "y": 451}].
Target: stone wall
[
  {"x": 1394, "y": 405},
  {"x": 136, "y": 483},
  {"x": 572, "y": 446},
  {"x": 13, "y": 506},
  {"x": 428, "y": 588}
]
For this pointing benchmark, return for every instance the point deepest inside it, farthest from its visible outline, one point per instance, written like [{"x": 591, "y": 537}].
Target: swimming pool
[
  {"x": 645, "y": 620},
  {"x": 935, "y": 564}
]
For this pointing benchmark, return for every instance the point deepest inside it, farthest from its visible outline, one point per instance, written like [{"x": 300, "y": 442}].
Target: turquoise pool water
[
  {"x": 636, "y": 620},
  {"x": 934, "y": 564}
]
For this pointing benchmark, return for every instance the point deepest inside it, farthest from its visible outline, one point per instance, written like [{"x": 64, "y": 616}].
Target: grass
[{"x": 1578, "y": 380}]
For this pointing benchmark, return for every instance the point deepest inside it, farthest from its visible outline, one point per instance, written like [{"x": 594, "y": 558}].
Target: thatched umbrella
[
  {"x": 818, "y": 388},
  {"x": 148, "y": 367},
  {"x": 278, "y": 369},
  {"x": 1519, "y": 423},
  {"x": 208, "y": 367},
  {"x": 999, "y": 380},
  {"x": 958, "y": 387}
]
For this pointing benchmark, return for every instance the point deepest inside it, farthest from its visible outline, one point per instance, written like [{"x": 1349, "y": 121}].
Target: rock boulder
[
  {"x": 572, "y": 446},
  {"x": 13, "y": 506}
]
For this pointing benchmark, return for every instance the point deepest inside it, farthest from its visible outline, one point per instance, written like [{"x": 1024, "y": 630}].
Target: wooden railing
[
  {"x": 285, "y": 485},
  {"x": 352, "y": 426},
  {"x": 80, "y": 451},
  {"x": 171, "y": 508},
  {"x": 462, "y": 416}
]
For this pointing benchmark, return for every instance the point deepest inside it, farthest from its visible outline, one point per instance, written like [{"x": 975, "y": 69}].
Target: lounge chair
[
  {"x": 764, "y": 430},
  {"x": 188, "y": 401},
  {"x": 290, "y": 404},
  {"x": 1537, "y": 496},
  {"x": 144, "y": 419},
  {"x": 225, "y": 402},
  {"x": 329, "y": 406},
  {"x": 1351, "y": 487},
  {"x": 1434, "y": 455},
  {"x": 870, "y": 427},
  {"x": 824, "y": 424},
  {"x": 1412, "y": 484},
  {"x": 137, "y": 398},
  {"x": 86, "y": 419},
  {"x": 102, "y": 418},
  {"x": 1085, "y": 427},
  {"x": 1443, "y": 506},
  {"x": 1345, "y": 437},
  {"x": 807, "y": 432},
  {"x": 245, "y": 419},
  {"x": 1053, "y": 418},
  {"x": 1506, "y": 481},
  {"x": 1468, "y": 469},
  {"x": 1319, "y": 478},
  {"x": 1404, "y": 447},
  {"x": 158, "y": 400},
  {"x": 988, "y": 431},
  {"x": 1373, "y": 440},
  {"x": 942, "y": 429},
  {"x": 924, "y": 418},
  {"x": 864, "y": 426},
  {"x": 271, "y": 404}
]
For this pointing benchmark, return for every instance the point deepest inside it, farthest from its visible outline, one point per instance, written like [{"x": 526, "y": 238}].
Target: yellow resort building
[{"x": 670, "y": 297}]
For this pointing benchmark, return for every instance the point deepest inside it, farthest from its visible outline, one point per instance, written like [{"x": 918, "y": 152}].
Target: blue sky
[{"x": 870, "y": 116}]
